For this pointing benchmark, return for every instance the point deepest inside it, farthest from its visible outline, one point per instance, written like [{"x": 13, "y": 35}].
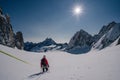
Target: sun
[{"x": 77, "y": 10}]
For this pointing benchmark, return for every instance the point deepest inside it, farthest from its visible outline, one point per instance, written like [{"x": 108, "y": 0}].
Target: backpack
[{"x": 43, "y": 62}]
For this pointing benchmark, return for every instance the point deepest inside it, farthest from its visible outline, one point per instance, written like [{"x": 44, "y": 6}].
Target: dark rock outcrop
[
  {"x": 19, "y": 40},
  {"x": 7, "y": 36},
  {"x": 118, "y": 41}
]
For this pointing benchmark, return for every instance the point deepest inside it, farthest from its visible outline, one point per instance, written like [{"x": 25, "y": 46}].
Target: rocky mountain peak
[
  {"x": 82, "y": 31},
  {"x": 108, "y": 35},
  {"x": 106, "y": 28},
  {"x": 7, "y": 35},
  {"x": 49, "y": 41},
  {"x": 80, "y": 42},
  {"x": 80, "y": 38}
]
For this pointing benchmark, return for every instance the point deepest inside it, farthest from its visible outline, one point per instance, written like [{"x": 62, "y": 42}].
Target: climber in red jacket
[{"x": 44, "y": 64}]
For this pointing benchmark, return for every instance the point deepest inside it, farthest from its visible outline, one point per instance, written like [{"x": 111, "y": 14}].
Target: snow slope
[{"x": 95, "y": 65}]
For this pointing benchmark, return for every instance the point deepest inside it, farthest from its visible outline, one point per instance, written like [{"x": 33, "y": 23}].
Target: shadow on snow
[{"x": 36, "y": 74}]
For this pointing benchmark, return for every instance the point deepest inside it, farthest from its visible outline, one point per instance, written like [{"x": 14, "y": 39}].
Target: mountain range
[
  {"x": 47, "y": 45},
  {"x": 81, "y": 42}
]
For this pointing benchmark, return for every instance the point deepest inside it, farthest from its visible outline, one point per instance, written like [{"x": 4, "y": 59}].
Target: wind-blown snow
[{"x": 95, "y": 65}]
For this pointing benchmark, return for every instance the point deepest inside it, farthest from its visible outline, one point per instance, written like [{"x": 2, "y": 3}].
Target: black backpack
[{"x": 43, "y": 62}]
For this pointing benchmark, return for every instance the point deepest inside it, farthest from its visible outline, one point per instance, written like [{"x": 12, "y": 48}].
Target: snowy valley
[{"x": 95, "y": 65}]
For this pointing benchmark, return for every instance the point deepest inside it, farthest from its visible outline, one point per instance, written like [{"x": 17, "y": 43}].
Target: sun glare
[{"x": 77, "y": 10}]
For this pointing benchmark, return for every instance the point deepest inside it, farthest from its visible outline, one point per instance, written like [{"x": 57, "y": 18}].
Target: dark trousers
[{"x": 45, "y": 69}]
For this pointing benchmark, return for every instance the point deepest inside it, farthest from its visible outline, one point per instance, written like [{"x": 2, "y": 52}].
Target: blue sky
[{"x": 39, "y": 19}]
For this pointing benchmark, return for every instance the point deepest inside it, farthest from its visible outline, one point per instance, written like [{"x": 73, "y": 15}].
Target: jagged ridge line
[{"x": 14, "y": 57}]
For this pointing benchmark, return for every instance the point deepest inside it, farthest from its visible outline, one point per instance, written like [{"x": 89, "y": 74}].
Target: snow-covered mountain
[
  {"x": 80, "y": 42},
  {"x": 47, "y": 45},
  {"x": 95, "y": 65},
  {"x": 107, "y": 35},
  {"x": 105, "y": 28}
]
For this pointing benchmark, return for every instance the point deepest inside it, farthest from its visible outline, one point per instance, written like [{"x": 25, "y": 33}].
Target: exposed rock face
[
  {"x": 105, "y": 29},
  {"x": 118, "y": 42},
  {"x": 108, "y": 34},
  {"x": 19, "y": 40},
  {"x": 80, "y": 42},
  {"x": 6, "y": 31},
  {"x": 81, "y": 38},
  {"x": 7, "y": 36}
]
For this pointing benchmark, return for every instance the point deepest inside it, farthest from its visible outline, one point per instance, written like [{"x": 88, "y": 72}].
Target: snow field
[{"x": 95, "y": 65}]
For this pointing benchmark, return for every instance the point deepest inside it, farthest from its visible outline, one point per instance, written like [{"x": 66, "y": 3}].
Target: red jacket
[{"x": 44, "y": 62}]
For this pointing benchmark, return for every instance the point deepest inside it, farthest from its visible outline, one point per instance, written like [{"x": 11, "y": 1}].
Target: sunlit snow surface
[{"x": 95, "y": 65}]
